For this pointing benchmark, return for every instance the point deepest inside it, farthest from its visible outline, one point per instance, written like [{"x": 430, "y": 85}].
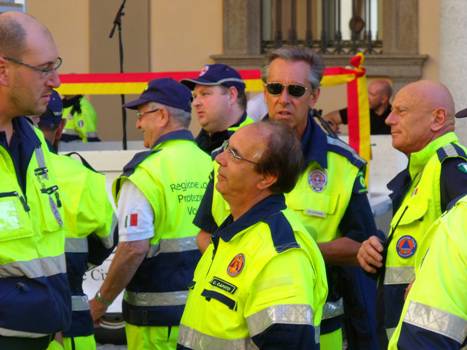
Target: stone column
[{"x": 453, "y": 53}]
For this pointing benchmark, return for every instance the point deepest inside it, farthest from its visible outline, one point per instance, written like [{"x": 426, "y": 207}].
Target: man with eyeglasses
[
  {"x": 158, "y": 195},
  {"x": 261, "y": 284},
  {"x": 219, "y": 101},
  {"x": 330, "y": 195},
  {"x": 34, "y": 294},
  {"x": 422, "y": 124}
]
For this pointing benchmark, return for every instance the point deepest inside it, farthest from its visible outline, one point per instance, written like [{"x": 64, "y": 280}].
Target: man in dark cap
[
  {"x": 158, "y": 195},
  {"x": 220, "y": 102}
]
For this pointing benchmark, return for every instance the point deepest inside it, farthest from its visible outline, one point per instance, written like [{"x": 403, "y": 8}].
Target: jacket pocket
[{"x": 15, "y": 222}]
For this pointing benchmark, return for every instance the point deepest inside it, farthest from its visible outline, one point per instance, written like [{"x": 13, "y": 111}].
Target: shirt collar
[
  {"x": 182, "y": 134},
  {"x": 261, "y": 210},
  {"x": 314, "y": 143}
]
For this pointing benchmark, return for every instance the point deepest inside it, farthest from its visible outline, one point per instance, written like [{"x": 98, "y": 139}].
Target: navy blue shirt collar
[
  {"x": 182, "y": 134},
  {"x": 314, "y": 142},
  {"x": 263, "y": 209}
]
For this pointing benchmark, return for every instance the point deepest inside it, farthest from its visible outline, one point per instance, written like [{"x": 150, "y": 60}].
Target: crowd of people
[{"x": 252, "y": 235}]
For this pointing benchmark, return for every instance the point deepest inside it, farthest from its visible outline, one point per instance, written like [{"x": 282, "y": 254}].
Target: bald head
[
  {"x": 421, "y": 112},
  {"x": 432, "y": 95},
  {"x": 15, "y": 29}
]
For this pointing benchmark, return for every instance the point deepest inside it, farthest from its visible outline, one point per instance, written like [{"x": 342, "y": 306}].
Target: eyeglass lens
[{"x": 292, "y": 89}]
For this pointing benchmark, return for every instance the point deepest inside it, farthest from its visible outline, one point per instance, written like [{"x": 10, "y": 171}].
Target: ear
[
  {"x": 164, "y": 118},
  {"x": 267, "y": 181},
  {"x": 59, "y": 131},
  {"x": 440, "y": 118},
  {"x": 3, "y": 72},
  {"x": 314, "y": 98},
  {"x": 233, "y": 94}
]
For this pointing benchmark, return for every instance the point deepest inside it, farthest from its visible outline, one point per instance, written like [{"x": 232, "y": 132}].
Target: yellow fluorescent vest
[
  {"x": 437, "y": 301},
  {"x": 419, "y": 209},
  {"x": 245, "y": 285},
  {"x": 83, "y": 124}
]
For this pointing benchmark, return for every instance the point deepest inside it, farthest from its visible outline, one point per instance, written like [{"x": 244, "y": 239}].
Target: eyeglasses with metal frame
[
  {"x": 234, "y": 154},
  {"x": 141, "y": 114},
  {"x": 44, "y": 69}
]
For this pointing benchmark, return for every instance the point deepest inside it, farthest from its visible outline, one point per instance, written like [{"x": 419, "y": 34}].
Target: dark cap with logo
[
  {"x": 217, "y": 74},
  {"x": 52, "y": 116},
  {"x": 165, "y": 91}
]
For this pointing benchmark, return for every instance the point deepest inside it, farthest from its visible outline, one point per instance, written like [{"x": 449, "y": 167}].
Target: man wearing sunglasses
[
  {"x": 158, "y": 195},
  {"x": 330, "y": 196},
  {"x": 34, "y": 293},
  {"x": 220, "y": 102}
]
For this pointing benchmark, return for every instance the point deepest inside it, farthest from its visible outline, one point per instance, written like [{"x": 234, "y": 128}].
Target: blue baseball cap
[
  {"x": 165, "y": 91},
  {"x": 217, "y": 74},
  {"x": 52, "y": 116},
  {"x": 461, "y": 114}
]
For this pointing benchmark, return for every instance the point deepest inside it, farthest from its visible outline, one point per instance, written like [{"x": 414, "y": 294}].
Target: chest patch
[
  {"x": 224, "y": 285},
  {"x": 406, "y": 246},
  {"x": 462, "y": 167},
  {"x": 317, "y": 179},
  {"x": 236, "y": 265}
]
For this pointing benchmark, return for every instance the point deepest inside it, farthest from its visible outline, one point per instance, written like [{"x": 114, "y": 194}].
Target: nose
[
  {"x": 391, "y": 119},
  {"x": 53, "y": 80},
  {"x": 138, "y": 124},
  {"x": 221, "y": 159},
  {"x": 284, "y": 97},
  {"x": 196, "y": 101}
]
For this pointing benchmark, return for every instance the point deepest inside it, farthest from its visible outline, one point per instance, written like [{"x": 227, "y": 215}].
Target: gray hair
[
  {"x": 181, "y": 117},
  {"x": 297, "y": 53}
]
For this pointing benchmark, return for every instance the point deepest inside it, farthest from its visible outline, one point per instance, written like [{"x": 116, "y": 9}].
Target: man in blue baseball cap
[
  {"x": 220, "y": 102},
  {"x": 158, "y": 195}
]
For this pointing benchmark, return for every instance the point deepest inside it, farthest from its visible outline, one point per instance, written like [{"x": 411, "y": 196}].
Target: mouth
[{"x": 283, "y": 114}]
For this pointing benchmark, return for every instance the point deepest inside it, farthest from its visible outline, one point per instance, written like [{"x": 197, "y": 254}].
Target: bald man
[
  {"x": 34, "y": 294},
  {"x": 379, "y": 95},
  {"x": 422, "y": 127}
]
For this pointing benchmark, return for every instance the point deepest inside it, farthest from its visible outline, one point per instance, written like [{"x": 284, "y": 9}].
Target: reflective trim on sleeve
[
  {"x": 399, "y": 275},
  {"x": 72, "y": 132},
  {"x": 79, "y": 303},
  {"x": 437, "y": 321},
  {"x": 108, "y": 241},
  {"x": 76, "y": 245},
  {"x": 177, "y": 245},
  {"x": 284, "y": 314},
  {"x": 390, "y": 332},
  {"x": 156, "y": 299},
  {"x": 5, "y": 332},
  {"x": 333, "y": 309},
  {"x": 36, "y": 268},
  {"x": 193, "y": 339}
]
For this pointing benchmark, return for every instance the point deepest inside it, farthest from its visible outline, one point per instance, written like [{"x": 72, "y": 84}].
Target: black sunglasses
[{"x": 294, "y": 90}]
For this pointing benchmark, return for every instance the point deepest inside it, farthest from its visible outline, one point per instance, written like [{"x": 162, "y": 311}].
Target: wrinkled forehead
[{"x": 289, "y": 71}]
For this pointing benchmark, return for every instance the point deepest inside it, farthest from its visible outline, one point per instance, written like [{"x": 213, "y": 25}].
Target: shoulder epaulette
[
  {"x": 450, "y": 151},
  {"x": 281, "y": 232},
  {"x": 137, "y": 159},
  {"x": 338, "y": 146}
]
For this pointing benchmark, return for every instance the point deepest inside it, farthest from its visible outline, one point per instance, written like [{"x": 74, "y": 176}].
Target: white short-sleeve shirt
[{"x": 135, "y": 214}]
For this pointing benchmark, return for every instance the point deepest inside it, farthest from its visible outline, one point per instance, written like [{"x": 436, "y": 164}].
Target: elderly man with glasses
[
  {"x": 158, "y": 195},
  {"x": 329, "y": 197}
]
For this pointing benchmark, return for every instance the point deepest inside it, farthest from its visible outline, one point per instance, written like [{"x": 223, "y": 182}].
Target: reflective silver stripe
[
  {"x": 390, "y": 332},
  {"x": 437, "y": 321},
  {"x": 108, "y": 241},
  {"x": 286, "y": 314},
  {"x": 76, "y": 245},
  {"x": 333, "y": 309},
  {"x": 14, "y": 333},
  {"x": 176, "y": 245},
  {"x": 35, "y": 268},
  {"x": 399, "y": 275},
  {"x": 156, "y": 299},
  {"x": 450, "y": 150},
  {"x": 41, "y": 162},
  {"x": 79, "y": 303},
  {"x": 193, "y": 339}
]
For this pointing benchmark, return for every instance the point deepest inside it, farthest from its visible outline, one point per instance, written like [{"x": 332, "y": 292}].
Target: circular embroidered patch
[
  {"x": 317, "y": 179},
  {"x": 236, "y": 265},
  {"x": 406, "y": 246}
]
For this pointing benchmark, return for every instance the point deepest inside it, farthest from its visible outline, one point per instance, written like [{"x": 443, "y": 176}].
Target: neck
[
  {"x": 380, "y": 110},
  {"x": 239, "y": 206},
  {"x": 6, "y": 126},
  {"x": 228, "y": 120}
]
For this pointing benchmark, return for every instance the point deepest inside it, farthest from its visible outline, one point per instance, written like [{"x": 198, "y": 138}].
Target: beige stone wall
[{"x": 429, "y": 36}]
